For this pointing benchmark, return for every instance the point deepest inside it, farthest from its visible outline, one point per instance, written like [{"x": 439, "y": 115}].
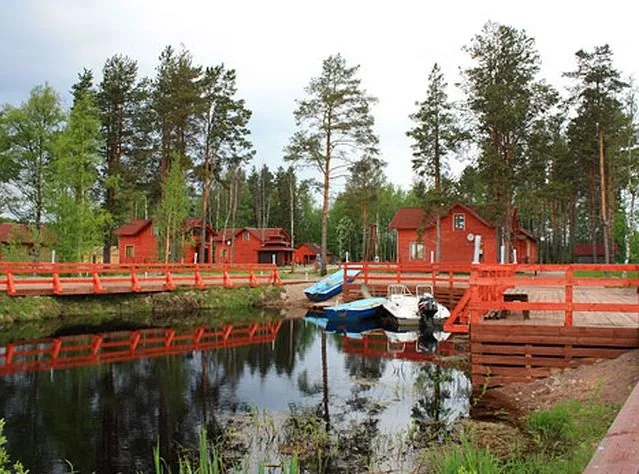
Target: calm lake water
[{"x": 108, "y": 417}]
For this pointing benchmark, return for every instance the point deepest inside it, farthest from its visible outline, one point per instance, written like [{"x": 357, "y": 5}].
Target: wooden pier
[{"x": 525, "y": 320}]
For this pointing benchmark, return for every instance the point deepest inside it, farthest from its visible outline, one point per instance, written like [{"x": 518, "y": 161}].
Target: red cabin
[
  {"x": 307, "y": 253},
  {"x": 138, "y": 244},
  {"x": 459, "y": 228},
  {"x": 253, "y": 245}
]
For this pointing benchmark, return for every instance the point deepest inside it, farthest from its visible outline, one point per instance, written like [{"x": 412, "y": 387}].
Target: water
[{"x": 108, "y": 417}]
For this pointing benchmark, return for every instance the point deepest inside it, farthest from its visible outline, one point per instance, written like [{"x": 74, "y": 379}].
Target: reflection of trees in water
[
  {"x": 108, "y": 418},
  {"x": 366, "y": 368},
  {"x": 443, "y": 398}
]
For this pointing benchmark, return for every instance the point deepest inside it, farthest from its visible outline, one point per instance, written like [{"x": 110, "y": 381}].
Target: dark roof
[
  {"x": 311, "y": 246},
  {"x": 129, "y": 229},
  {"x": 408, "y": 218},
  {"x": 268, "y": 232}
]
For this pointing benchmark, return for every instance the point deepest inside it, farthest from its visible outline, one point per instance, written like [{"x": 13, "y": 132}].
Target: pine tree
[
  {"x": 335, "y": 126},
  {"x": 119, "y": 99},
  {"x": 436, "y": 135},
  {"x": 596, "y": 97},
  {"x": 507, "y": 99}
]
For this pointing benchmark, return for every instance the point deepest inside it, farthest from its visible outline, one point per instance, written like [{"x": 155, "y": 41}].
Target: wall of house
[
  {"x": 305, "y": 255},
  {"x": 245, "y": 250},
  {"x": 527, "y": 251},
  {"x": 145, "y": 247},
  {"x": 456, "y": 248}
]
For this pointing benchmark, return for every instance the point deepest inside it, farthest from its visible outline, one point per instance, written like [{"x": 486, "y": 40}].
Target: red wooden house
[
  {"x": 307, "y": 254},
  {"x": 459, "y": 228},
  {"x": 137, "y": 243},
  {"x": 253, "y": 245}
]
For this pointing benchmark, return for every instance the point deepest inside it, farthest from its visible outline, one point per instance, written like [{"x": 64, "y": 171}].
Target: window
[
  {"x": 129, "y": 251},
  {"x": 459, "y": 221},
  {"x": 247, "y": 235},
  {"x": 417, "y": 251}
]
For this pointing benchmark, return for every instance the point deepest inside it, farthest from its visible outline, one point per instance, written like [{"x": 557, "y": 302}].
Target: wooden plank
[
  {"x": 595, "y": 352},
  {"x": 556, "y": 340},
  {"x": 523, "y": 361},
  {"x": 511, "y": 371}
]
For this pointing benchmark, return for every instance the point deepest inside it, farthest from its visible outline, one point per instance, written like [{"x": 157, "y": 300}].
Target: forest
[{"x": 178, "y": 145}]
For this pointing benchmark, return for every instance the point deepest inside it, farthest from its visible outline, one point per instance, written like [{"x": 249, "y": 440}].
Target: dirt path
[{"x": 608, "y": 380}]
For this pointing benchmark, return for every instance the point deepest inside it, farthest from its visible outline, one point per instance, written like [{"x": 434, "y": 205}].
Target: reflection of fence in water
[{"x": 82, "y": 350}]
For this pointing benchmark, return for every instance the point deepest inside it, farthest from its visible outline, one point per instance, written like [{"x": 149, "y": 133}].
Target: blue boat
[
  {"x": 352, "y": 329},
  {"x": 329, "y": 286},
  {"x": 355, "y": 310}
]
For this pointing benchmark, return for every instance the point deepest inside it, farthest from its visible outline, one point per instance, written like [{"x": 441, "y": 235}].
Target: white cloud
[{"x": 278, "y": 46}]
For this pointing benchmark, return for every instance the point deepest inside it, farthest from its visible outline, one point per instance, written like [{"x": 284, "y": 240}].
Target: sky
[{"x": 278, "y": 46}]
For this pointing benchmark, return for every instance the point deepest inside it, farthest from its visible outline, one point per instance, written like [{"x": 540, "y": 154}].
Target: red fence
[
  {"x": 87, "y": 278},
  {"x": 435, "y": 274},
  {"x": 505, "y": 288},
  {"x": 74, "y": 351}
]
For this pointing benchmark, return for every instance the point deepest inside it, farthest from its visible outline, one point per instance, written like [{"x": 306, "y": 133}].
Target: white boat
[{"x": 403, "y": 305}]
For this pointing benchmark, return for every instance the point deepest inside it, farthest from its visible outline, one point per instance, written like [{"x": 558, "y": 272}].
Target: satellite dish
[{"x": 470, "y": 237}]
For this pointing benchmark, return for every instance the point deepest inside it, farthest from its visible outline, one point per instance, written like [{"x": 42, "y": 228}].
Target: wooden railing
[
  {"x": 436, "y": 274},
  {"x": 87, "y": 278},
  {"x": 75, "y": 351}
]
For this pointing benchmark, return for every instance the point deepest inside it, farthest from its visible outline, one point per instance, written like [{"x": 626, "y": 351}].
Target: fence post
[
  {"x": 169, "y": 284},
  {"x": 399, "y": 272},
  {"x": 474, "y": 295},
  {"x": 11, "y": 285},
  {"x": 97, "y": 284},
  {"x": 57, "y": 284},
  {"x": 277, "y": 281},
  {"x": 199, "y": 283},
  {"x": 569, "y": 296},
  {"x": 135, "y": 283},
  {"x": 228, "y": 283},
  {"x": 253, "y": 281}
]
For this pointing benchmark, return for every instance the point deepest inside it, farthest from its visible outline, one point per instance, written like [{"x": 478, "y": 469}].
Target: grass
[
  {"x": 35, "y": 308},
  {"x": 561, "y": 441},
  {"x": 600, "y": 274}
]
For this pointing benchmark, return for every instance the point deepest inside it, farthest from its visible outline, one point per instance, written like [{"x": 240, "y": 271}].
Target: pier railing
[
  {"x": 435, "y": 274},
  {"x": 97, "y": 278}
]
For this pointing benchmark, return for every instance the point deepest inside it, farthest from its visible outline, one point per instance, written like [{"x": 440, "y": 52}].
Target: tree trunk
[
  {"x": 604, "y": 209},
  {"x": 205, "y": 200},
  {"x": 167, "y": 244},
  {"x": 631, "y": 226},
  {"x": 327, "y": 176}
]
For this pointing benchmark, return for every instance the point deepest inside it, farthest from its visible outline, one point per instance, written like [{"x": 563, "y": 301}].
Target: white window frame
[
  {"x": 126, "y": 251},
  {"x": 247, "y": 235},
  {"x": 413, "y": 251},
  {"x": 463, "y": 221}
]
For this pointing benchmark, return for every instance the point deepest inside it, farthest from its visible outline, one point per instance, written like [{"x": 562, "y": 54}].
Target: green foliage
[
  {"x": 171, "y": 213},
  {"x": 466, "y": 459},
  {"x": 77, "y": 219},
  {"x": 552, "y": 430},
  {"x": 334, "y": 123},
  {"x": 5, "y": 461},
  {"x": 28, "y": 137}
]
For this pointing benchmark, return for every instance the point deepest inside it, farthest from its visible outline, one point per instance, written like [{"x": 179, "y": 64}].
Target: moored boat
[
  {"x": 404, "y": 306},
  {"x": 355, "y": 310},
  {"x": 329, "y": 286}
]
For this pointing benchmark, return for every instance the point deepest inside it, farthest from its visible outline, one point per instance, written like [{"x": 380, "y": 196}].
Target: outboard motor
[{"x": 427, "y": 308}]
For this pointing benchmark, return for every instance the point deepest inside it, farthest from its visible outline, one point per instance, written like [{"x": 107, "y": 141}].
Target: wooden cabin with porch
[
  {"x": 137, "y": 242},
  {"x": 461, "y": 226},
  {"x": 253, "y": 245}
]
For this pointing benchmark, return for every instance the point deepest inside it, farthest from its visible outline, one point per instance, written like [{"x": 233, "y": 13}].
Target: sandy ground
[{"x": 607, "y": 380}]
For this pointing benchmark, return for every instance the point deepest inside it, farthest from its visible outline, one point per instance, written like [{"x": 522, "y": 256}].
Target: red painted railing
[
  {"x": 75, "y": 351},
  {"x": 87, "y": 278},
  {"x": 436, "y": 274}
]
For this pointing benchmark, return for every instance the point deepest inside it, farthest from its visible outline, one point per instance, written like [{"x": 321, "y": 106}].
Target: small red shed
[
  {"x": 307, "y": 253},
  {"x": 253, "y": 245},
  {"x": 136, "y": 242},
  {"x": 459, "y": 228}
]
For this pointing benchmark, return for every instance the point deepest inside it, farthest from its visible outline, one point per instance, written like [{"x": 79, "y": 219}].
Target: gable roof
[
  {"x": 132, "y": 228},
  {"x": 313, "y": 247},
  {"x": 267, "y": 232},
  {"x": 415, "y": 217}
]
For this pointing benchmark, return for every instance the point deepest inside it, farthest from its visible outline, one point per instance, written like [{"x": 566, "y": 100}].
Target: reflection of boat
[
  {"x": 355, "y": 310},
  {"x": 329, "y": 286},
  {"x": 354, "y": 329},
  {"x": 404, "y": 306}
]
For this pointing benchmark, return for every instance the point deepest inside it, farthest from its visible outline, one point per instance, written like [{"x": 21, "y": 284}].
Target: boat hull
[
  {"x": 354, "y": 311},
  {"x": 329, "y": 286}
]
